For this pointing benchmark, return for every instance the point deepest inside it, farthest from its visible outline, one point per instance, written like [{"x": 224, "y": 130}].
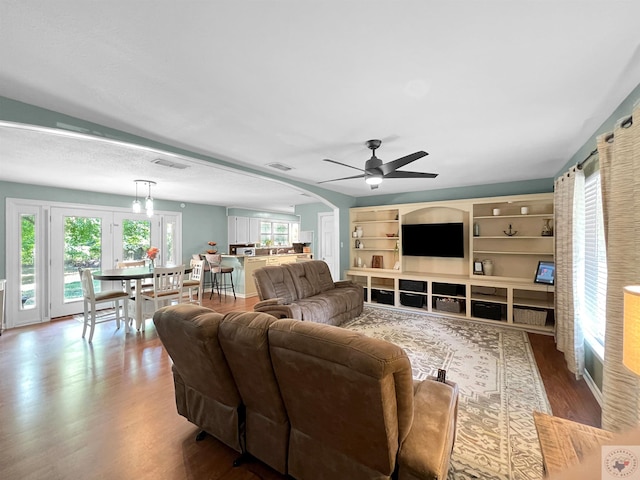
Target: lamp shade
[{"x": 631, "y": 340}]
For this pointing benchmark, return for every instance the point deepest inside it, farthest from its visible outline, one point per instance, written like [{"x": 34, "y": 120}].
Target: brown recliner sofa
[
  {"x": 306, "y": 291},
  {"x": 323, "y": 402}
]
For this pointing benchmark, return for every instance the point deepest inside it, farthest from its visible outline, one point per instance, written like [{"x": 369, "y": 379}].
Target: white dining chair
[
  {"x": 195, "y": 282},
  {"x": 91, "y": 299},
  {"x": 168, "y": 283}
]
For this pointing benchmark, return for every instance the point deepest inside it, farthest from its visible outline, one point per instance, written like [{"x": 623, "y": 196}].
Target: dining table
[{"x": 126, "y": 275}]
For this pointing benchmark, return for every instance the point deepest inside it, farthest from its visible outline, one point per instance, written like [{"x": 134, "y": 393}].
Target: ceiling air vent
[
  {"x": 280, "y": 166},
  {"x": 166, "y": 163}
]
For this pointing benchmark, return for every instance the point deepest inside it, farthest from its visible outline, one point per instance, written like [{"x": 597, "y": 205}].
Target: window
[
  {"x": 594, "y": 309},
  {"x": 279, "y": 233}
]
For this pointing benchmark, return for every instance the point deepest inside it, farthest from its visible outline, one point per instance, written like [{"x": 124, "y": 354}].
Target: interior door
[
  {"x": 327, "y": 235},
  {"x": 80, "y": 238}
]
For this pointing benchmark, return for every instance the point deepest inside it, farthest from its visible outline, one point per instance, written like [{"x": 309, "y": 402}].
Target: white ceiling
[{"x": 495, "y": 91}]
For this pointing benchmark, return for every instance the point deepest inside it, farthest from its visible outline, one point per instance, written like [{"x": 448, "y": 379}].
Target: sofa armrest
[
  {"x": 278, "y": 308},
  {"x": 426, "y": 452}
]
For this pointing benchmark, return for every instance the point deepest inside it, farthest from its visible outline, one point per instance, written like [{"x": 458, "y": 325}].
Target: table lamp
[{"x": 631, "y": 340}]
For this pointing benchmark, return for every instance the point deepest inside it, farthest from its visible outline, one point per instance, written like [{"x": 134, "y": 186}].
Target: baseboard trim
[{"x": 597, "y": 394}]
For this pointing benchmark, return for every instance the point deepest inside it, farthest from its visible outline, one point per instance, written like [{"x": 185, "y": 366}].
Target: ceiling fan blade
[
  {"x": 344, "y": 178},
  {"x": 400, "y": 174},
  {"x": 401, "y": 162},
  {"x": 343, "y": 164}
]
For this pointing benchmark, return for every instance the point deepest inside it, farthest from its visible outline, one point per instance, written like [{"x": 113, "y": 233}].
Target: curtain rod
[{"x": 625, "y": 124}]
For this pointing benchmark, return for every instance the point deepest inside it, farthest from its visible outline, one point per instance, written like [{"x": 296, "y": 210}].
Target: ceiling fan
[{"x": 375, "y": 171}]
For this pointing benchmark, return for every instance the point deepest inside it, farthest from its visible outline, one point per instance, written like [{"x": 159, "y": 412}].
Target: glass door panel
[
  {"x": 136, "y": 239},
  {"x": 80, "y": 239},
  {"x": 28, "y": 294}
]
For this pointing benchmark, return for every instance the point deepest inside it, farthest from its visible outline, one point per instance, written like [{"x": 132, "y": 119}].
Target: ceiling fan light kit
[{"x": 375, "y": 171}]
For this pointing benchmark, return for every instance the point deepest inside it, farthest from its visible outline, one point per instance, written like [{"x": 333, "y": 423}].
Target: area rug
[{"x": 499, "y": 382}]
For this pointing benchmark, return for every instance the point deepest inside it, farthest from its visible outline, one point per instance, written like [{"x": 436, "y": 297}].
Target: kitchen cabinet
[{"x": 238, "y": 229}]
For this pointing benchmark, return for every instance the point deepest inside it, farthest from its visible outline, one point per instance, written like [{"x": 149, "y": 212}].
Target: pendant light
[
  {"x": 148, "y": 203},
  {"x": 137, "y": 207}
]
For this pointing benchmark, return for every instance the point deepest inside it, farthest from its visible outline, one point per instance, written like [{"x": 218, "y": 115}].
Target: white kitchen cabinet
[{"x": 238, "y": 229}]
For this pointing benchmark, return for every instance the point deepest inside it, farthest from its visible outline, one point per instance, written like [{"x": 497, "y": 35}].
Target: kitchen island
[{"x": 244, "y": 266}]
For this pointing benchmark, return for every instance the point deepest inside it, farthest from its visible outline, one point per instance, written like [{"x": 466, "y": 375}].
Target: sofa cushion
[
  {"x": 244, "y": 340},
  {"x": 349, "y": 399},
  {"x": 275, "y": 282},
  {"x": 206, "y": 393},
  {"x": 304, "y": 279}
]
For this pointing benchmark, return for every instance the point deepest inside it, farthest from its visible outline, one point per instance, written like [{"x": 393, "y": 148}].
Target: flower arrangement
[{"x": 152, "y": 253}]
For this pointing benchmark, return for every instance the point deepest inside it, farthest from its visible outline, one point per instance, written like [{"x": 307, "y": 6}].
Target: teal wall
[
  {"x": 200, "y": 223},
  {"x": 542, "y": 185},
  {"x": 309, "y": 222},
  {"x": 244, "y": 212}
]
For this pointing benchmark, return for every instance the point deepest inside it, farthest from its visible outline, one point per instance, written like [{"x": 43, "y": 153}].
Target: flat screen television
[
  {"x": 433, "y": 240},
  {"x": 545, "y": 273}
]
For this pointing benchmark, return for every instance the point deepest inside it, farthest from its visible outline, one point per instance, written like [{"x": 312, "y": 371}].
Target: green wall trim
[
  {"x": 244, "y": 212},
  {"x": 524, "y": 187}
]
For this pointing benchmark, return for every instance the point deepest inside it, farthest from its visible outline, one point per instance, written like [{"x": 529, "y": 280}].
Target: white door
[
  {"x": 80, "y": 238},
  {"x": 25, "y": 293},
  {"x": 327, "y": 246}
]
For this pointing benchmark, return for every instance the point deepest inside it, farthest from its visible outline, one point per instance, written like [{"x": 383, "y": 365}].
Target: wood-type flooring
[{"x": 74, "y": 410}]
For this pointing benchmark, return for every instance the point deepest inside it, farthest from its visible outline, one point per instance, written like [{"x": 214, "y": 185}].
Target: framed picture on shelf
[
  {"x": 477, "y": 268},
  {"x": 376, "y": 261}
]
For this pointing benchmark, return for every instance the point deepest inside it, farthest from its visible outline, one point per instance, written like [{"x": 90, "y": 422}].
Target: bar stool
[{"x": 217, "y": 272}]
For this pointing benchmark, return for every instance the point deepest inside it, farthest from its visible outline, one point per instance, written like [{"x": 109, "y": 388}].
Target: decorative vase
[
  {"x": 151, "y": 264},
  {"x": 487, "y": 267},
  {"x": 547, "y": 228},
  {"x": 359, "y": 232}
]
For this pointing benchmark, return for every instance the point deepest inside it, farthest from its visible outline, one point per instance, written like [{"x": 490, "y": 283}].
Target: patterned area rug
[{"x": 499, "y": 382}]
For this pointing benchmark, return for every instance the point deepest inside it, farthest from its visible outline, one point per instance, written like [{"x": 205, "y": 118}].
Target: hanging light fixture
[
  {"x": 148, "y": 203},
  {"x": 136, "y": 203}
]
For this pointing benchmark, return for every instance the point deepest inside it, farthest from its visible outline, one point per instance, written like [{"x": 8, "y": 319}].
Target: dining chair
[
  {"x": 217, "y": 274},
  {"x": 195, "y": 281},
  {"x": 91, "y": 299},
  {"x": 205, "y": 268},
  {"x": 168, "y": 283}
]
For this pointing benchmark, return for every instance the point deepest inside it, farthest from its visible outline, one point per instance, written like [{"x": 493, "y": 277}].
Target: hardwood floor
[{"x": 73, "y": 410}]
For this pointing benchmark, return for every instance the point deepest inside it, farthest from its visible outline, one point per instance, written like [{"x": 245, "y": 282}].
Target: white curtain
[
  {"x": 569, "y": 231},
  {"x": 620, "y": 179}
]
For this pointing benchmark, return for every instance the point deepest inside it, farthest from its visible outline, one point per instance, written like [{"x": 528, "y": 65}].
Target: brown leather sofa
[
  {"x": 306, "y": 291},
  {"x": 320, "y": 402}
]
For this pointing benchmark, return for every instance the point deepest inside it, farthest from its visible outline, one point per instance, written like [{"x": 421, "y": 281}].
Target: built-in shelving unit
[{"x": 513, "y": 234}]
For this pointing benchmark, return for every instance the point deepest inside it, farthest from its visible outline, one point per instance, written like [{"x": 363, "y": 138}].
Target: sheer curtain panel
[{"x": 569, "y": 227}]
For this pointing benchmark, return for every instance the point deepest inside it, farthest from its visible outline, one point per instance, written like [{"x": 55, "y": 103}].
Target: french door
[
  {"x": 80, "y": 238},
  {"x": 47, "y": 244}
]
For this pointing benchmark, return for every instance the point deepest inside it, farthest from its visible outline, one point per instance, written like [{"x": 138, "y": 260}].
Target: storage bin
[
  {"x": 452, "y": 305},
  {"x": 491, "y": 311},
  {"x": 529, "y": 316},
  {"x": 385, "y": 296},
  {"x": 413, "y": 286},
  {"x": 412, "y": 300},
  {"x": 448, "y": 289}
]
